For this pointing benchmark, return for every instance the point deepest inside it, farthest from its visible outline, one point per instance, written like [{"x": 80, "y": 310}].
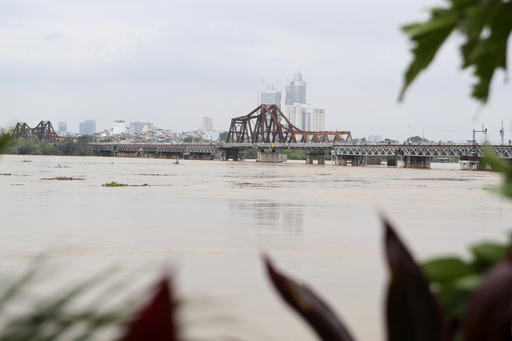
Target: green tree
[
  {"x": 223, "y": 136},
  {"x": 4, "y": 142},
  {"x": 66, "y": 146},
  {"x": 82, "y": 146},
  {"x": 417, "y": 139}
]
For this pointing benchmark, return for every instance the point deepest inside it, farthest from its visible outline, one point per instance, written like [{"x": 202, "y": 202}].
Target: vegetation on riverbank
[{"x": 33, "y": 146}]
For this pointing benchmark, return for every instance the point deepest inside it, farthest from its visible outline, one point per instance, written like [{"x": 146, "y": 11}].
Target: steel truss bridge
[
  {"x": 268, "y": 124},
  {"x": 161, "y": 150},
  {"x": 237, "y": 151},
  {"x": 421, "y": 150},
  {"x": 43, "y": 131},
  {"x": 266, "y": 127}
]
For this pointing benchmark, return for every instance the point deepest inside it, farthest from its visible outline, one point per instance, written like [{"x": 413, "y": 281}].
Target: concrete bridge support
[
  {"x": 272, "y": 157},
  {"x": 234, "y": 154},
  {"x": 391, "y": 161},
  {"x": 403, "y": 161},
  {"x": 373, "y": 160},
  {"x": 354, "y": 160},
  {"x": 312, "y": 156}
]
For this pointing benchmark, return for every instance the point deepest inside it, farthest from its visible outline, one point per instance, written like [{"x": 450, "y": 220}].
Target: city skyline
[{"x": 172, "y": 64}]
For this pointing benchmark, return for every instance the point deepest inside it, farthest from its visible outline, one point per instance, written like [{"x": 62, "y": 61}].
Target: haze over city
[{"x": 173, "y": 63}]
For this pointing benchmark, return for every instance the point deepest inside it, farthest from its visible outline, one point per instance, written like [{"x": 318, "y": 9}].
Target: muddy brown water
[{"x": 210, "y": 222}]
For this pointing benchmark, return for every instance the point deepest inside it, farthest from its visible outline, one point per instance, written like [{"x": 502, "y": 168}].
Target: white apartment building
[
  {"x": 207, "y": 124},
  {"x": 119, "y": 127},
  {"x": 304, "y": 117}
]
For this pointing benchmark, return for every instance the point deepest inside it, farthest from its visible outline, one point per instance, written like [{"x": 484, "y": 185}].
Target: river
[{"x": 210, "y": 221}]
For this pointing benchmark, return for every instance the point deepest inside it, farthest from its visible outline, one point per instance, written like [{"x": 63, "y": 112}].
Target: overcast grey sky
[{"x": 174, "y": 62}]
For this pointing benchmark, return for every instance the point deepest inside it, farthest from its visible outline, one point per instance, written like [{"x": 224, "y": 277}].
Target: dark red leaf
[
  {"x": 156, "y": 321},
  {"x": 320, "y": 317},
  {"x": 413, "y": 313},
  {"x": 489, "y": 314}
]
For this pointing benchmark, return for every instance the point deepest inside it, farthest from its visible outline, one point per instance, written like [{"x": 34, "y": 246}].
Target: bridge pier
[
  {"x": 391, "y": 161},
  {"x": 373, "y": 160},
  {"x": 233, "y": 154},
  {"x": 272, "y": 157},
  {"x": 354, "y": 160},
  {"x": 310, "y": 157},
  {"x": 404, "y": 161}
]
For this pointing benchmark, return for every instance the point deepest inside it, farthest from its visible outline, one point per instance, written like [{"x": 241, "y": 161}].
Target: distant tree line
[{"x": 78, "y": 146}]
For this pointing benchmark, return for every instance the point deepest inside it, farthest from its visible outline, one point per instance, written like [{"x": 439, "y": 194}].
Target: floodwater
[{"x": 210, "y": 221}]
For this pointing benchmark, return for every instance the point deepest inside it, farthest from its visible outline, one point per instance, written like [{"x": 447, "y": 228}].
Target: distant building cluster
[
  {"x": 143, "y": 132},
  {"x": 295, "y": 107}
]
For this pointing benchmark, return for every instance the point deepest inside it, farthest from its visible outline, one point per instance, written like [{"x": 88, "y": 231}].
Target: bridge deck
[{"x": 378, "y": 149}]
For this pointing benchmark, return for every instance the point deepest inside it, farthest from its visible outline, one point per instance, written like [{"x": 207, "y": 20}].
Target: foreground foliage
[
  {"x": 485, "y": 26},
  {"x": 471, "y": 299},
  {"x": 54, "y": 318},
  {"x": 502, "y": 166}
]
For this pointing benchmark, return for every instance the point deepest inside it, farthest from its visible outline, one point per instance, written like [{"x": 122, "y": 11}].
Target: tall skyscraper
[
  {"x": 268, "y": 95},
  {"x": 88, "y": 127},
  {"x": 295, "y": 90},
  {"x": 207, "y": 124},
  {"x": 63, "y": 127}
]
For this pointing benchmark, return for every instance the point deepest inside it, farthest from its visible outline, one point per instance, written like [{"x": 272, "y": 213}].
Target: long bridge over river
[
  {"x": 402, "y": 155},
  {"x": 269, "y": 131}
]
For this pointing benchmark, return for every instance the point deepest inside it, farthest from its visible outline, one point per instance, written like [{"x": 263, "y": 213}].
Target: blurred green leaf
[
  {"x": 468, "y": 282},
  {"x": 427, "y": 39},
  {"x": 485, "y": 26},
  {"x": 502, "y": 166},
  {"x": 453, "y": 300},
  {"x": 413, "y": 313},
  {"x": 444, "y": 269},
  {"x": 488, "y": 254}
]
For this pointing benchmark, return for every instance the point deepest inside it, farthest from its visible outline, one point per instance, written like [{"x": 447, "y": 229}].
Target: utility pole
[
  {"x": 474, "y": 139},
  {"x": 502, "y": 133}
]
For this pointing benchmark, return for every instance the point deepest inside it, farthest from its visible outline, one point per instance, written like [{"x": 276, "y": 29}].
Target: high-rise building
[
  {"x": 314, "y": 119},
  {"x": 207, "y": 124},
  {"x": 268, "y": 95},
  {"x": 137, "y": 127},
  {"x": 88, "y": 127},
  {"x": 63, "y": 127},
  {"x": 295, "y": 90},
  {"x": 119, "y": 127},
  {"x": 304, "y": 117}
]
